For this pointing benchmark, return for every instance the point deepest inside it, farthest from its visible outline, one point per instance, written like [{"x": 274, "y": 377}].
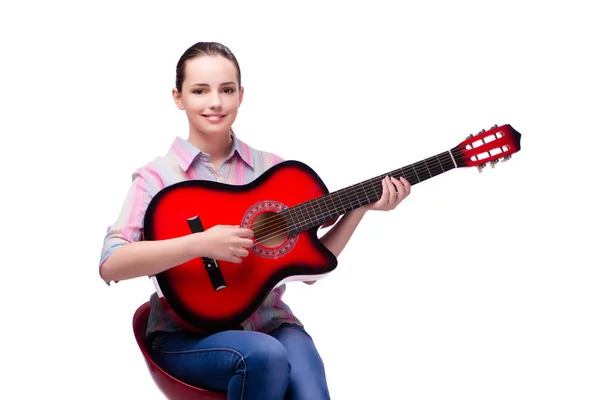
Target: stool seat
[{"x": 171, "y": 387}]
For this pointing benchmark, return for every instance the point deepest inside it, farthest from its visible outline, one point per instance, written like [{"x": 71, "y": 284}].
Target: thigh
[
  {"x": 307, "y": 375},
  {"x": 234, "y": 361}
]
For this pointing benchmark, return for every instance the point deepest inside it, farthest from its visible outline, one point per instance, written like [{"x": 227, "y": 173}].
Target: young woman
[{"x": 272, "y": 357}]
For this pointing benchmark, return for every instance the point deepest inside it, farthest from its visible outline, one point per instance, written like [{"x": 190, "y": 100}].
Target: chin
[{"x": 213, "y": 130}]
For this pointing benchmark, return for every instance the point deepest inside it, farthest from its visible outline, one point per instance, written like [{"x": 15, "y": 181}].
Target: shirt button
[{"x": 220, "y": 179}]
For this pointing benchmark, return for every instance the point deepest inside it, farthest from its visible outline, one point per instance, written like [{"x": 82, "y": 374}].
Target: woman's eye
[
  {"x": 198, "y": 91},
  {"x": 229, "y": 90}
]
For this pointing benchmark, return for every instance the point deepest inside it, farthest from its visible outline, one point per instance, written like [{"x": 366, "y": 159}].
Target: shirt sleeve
[{"x": 129, "y": 224}]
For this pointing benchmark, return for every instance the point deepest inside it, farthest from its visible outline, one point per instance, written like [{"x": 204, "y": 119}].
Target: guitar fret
[
  {"x": 291, "y": 222},
  {"x": 334, "y": 206},
  {"x": 377, "y": 192},
  {"x": 434, "y": 170},
  {"x": 309, "y": 203},
  {"x": 320, "y": 210},
  {"x": 438, "y": 160},
  {"x": 327, "y": 214},
  {"x": 341, "y": 201},
  {"x": 347, "y": 199},
  {"x": 305, "y": 214},
  {"x": 356, "y": 194},
  {"x": 367, "y": 197},
  {"x": 416, "y": 174},
  {"x": 402, "y": 174},
  {"x": 425, "y": 162}
]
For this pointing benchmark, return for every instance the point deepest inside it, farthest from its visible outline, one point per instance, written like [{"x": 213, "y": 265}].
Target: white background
[{"x": 479, "y": 286}]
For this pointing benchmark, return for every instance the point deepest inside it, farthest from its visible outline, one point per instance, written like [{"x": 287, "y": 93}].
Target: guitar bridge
[{"x": 214, "y": 273}]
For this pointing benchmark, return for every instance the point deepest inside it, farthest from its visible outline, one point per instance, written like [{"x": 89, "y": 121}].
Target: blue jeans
[{"x": 281, "y": 365}]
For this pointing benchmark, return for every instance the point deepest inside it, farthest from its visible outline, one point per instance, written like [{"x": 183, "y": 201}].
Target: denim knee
[{"x": 268, "y": 356}]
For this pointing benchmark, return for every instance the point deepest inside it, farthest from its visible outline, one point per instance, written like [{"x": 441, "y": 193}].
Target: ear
[
  {"x": 178, "y": 100},
  {"x": 241, "y": 94}
]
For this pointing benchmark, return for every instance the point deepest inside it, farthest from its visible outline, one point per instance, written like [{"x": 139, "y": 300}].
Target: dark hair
[{"x": 202, "y": 49}]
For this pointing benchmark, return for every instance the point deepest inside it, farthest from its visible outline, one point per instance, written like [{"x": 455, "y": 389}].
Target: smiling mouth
[{"x": 213, "y": 117}]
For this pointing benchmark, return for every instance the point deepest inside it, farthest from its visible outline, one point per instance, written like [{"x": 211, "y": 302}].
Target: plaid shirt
[{"x": 185, "y": 162}]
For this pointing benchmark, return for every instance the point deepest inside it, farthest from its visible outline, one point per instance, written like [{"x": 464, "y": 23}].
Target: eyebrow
[{"x": 206, "y": 84}]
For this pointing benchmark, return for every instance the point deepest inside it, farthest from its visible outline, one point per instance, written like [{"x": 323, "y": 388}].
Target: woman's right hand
[{"x": 223, "y": 242}]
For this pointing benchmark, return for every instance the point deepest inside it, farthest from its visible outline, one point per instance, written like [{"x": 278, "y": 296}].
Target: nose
[{"x": 215, "y": 100}]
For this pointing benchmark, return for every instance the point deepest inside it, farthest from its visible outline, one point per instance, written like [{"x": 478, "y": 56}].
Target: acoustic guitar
[{"x": 284, "y": 207}]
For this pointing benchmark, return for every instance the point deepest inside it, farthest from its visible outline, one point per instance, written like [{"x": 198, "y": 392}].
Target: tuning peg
[
  {"x": 480, "y": 167},
  {"x": 493, "y": 163},
  {"x": 494, "y": 127},
  {"x": 506, "y": 158},
  {"x": 470, "y": 136}
]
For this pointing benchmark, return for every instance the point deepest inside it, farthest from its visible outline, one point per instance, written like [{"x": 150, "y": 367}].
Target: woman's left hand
[{"x": 394, "y": 191}]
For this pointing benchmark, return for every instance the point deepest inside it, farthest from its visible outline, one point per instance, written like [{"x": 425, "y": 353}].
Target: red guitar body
[
  {"x": 188, "y": 288},
  {"x": 284, "y": 207}
]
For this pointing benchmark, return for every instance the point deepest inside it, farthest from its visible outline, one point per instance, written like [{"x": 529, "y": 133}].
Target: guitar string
[
  {"x": 416, "y": 172},
  {"x": 284, "y": 229},
  {"x": 360, "y": 187},
  {"x": 452, "y": 154},
  {"x": 358, "y": 193},
  {"x": 281, "y": 227}
]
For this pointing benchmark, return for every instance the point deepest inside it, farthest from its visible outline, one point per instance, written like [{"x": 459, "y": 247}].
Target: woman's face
[{"x": 210, "y": 94}]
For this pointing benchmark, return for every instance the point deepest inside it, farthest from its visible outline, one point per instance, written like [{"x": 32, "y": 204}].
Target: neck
[
  {"x": 315, "y": 212},
  {"x": 217, "y": 146}
]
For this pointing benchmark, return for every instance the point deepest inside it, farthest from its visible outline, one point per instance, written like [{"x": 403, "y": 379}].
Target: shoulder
[
  {"x": 157, "y": 173},
  {"x": 268, "y": 158},
  {"x": 263, "y": 160},
  {"x": 260, "y": 159}
]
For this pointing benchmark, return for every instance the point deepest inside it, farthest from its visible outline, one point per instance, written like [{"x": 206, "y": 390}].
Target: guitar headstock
[{"x": 488, "y": 146}]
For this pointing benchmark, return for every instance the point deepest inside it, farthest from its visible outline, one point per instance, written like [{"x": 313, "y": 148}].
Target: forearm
[
  {"x": 146, "y": 258},
  {"x": 339, "y": 235}
]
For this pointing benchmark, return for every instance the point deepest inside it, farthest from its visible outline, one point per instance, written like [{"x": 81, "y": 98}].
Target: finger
[
  {"x": 245, "y": 242},
  {"x": 406, "y": 185},
  {"x": 392, "y": 191},
  {"x": 234, "y": 259},
  {"x": 401, "y": 190},
  {"x": 398, "y": 185},
  {"x": 385, "y": 192},
  {"x": 237, "y": 251},
  {"x": 245, "y": 232}
]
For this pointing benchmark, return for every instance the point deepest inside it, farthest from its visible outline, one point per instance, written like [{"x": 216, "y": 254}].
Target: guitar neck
[{"x": 317, "y": 211}]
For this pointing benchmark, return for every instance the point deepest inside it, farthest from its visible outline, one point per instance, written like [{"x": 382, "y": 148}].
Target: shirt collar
[{"x": 184, "y": 153}]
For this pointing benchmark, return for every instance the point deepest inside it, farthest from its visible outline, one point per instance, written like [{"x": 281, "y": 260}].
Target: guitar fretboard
[{"x": 317, "y": 211}]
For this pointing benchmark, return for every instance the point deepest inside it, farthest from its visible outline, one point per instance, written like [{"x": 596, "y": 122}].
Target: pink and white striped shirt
[{"x": 185, "y": 162}]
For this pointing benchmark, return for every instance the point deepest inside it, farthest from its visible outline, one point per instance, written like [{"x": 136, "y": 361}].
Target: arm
[
  {"x": 125, "y": 255},
  {"x": 145, "y": 258},
  {"x": 339, "y": 235},
  {"x": 337, "y": 238}
]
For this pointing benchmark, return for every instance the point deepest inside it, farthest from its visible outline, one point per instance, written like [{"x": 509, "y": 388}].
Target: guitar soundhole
[
  {"x": 269, "y": 229},
  {"x": 272, "y": 238}
]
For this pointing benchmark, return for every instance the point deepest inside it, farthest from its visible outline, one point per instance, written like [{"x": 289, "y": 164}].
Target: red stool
[{"x": 172, "y": 388}]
